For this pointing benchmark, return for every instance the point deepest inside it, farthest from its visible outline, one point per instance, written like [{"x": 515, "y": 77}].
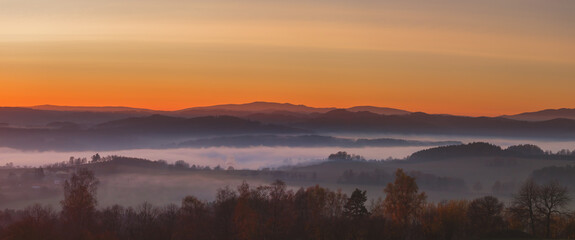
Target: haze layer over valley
[
  {"x": 260, "y": 142},
  {"x": 260, "y": 134}
]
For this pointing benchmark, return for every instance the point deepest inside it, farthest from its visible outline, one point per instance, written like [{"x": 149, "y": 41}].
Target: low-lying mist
[
  {"x": 265, "y": 157},
  {"x": 546, "y": 144},
  {"x": 130, "y": 183},
  {"x": 239, "y": 158}
]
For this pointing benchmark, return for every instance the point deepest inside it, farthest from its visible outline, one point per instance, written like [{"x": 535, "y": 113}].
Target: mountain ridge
[
  {"x": 244, "y": 109},
  {"x": 50, "y": 107},
  {"x": 543, "y": 115},
  {"x": 258, "y": 106}
]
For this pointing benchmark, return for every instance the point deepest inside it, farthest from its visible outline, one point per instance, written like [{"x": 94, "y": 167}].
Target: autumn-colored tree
[
  {"x": 244, "y": 221},
  {"x": 245, "y": 218},
  {"x": 446, "y": 220},
  {"x": 319, "y": 213},
  {"x": 402, "y": 202},
  {"x": 315, "y": 206},
  {"x": 566, "y": 226},
  {"x": 452, "y": 218},
  {"x": 281, "y": 215},
  {"x": 194, "y": 219},
  {"x": 430, "y": 228},
  {"x": 226, "y": 200},
  {"x": 335, "y": 203},
  {"x": 38, "y": 222},
  {"x": 485, "y": 215},
  {"x": 333, "y": 215},
  {"x": 79, "y": 204}
]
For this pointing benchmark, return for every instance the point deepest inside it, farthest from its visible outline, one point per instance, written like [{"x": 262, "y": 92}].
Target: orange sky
[{"x": 461, "y": 57}]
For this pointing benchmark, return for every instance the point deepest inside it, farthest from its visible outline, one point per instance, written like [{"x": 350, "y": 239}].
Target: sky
[{"x": 477, "y": 57}]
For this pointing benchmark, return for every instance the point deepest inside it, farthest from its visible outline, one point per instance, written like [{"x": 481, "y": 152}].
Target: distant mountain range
[
  {"x": 253, "y": 107},
  {"x": 156, "y": 131},
  {"x": 259, "y": 107},
  {"x": 421, "y": 123},
  {"x": 56, "y": 127},
  {"x": 343, "y": 121},
  {"x": 85, "y": 115},
  {"x": 91, "y": 109},
  {"x": 225, "y": 109},
  {"x": 544, "y": 115},
  {"x": 28, "y": 117},
  {"x": 210, "y": 125},
  {"x": 266, "y": 108}
]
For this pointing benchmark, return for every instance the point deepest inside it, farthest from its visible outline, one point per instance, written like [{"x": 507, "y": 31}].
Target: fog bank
[{"x": 240, "y": 158}]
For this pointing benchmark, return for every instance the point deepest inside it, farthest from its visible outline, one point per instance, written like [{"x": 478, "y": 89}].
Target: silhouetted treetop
[
  {"x": 476, "y": 149},
  {"x": 344, "y": 156},
  {"x": 526, "y": 150},
  {"x": 355, "y": 206}
]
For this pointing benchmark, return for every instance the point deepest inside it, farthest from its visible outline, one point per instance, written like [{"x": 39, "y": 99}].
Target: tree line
[
  {"x": 483, "y": 149},
  {"x": 276, "y": 212}
]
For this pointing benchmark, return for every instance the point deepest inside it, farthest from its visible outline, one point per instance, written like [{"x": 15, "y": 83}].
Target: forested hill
[{"x": 482, "y": 149}]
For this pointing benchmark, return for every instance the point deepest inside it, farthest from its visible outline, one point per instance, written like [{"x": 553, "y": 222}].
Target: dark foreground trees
[
  {"x": 485, "y": 215},
  {"x": 35, "y": 222},
  {"x": 538, "y": 206},
  {"x": 277, "y": 212},
  {"x": 355, "y": 206}
]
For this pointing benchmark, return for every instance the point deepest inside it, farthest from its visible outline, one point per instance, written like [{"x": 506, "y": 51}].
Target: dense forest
[
  {"x": 482, "y": 149},
  {"x": 275, "y": 212}
]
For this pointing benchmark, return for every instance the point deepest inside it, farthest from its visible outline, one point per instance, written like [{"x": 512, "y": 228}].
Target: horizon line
[{"x": 267, "y": 102}]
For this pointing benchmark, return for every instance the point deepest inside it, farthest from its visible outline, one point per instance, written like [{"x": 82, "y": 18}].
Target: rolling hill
[
  {"x": 544, "y": 115},
  {"x": 343, "y": 121}
]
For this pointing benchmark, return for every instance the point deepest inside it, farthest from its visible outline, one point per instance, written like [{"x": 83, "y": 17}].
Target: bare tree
[
  {"x": 552, "y": 200},
  {"x": 523, "y": 204},
  {"x": 539, "y": 203}
]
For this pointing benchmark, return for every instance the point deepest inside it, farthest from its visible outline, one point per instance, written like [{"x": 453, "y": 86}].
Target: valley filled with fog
[
  {"x": 259, "y": 157},
  {"x": 240, "y": 158},
  {"x": 134, "y": 186}
]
